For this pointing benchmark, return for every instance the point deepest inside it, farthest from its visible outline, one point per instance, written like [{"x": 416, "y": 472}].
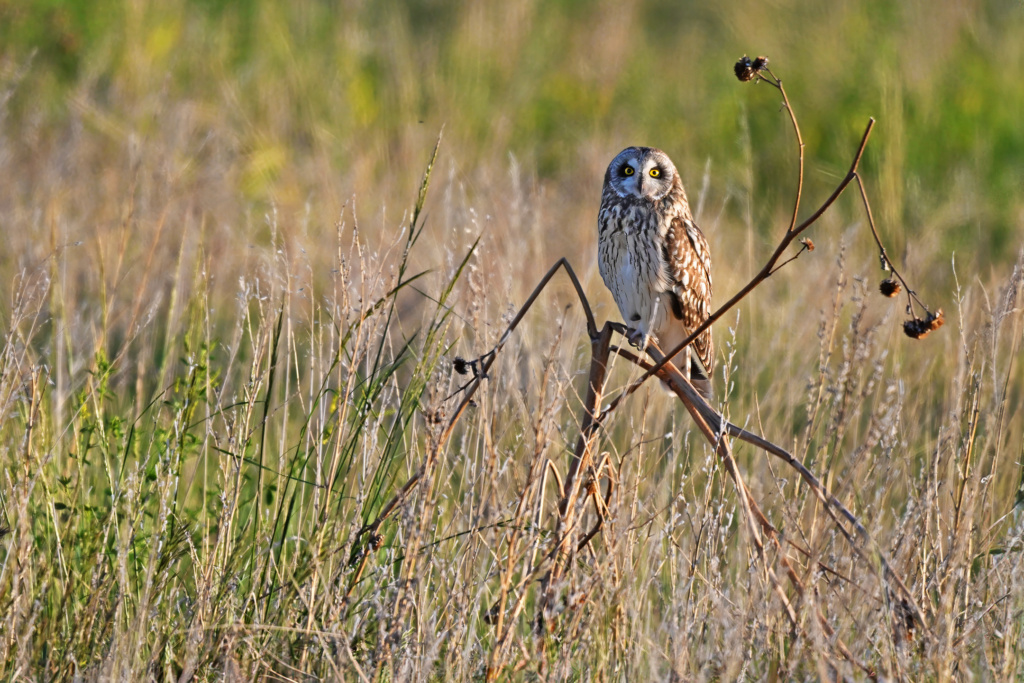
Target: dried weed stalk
[{"x": 581, "y": 483}]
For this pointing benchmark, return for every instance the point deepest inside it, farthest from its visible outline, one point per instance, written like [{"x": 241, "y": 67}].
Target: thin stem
[
  {"x": 777, "y": 83},
  {"x": 471, "y": 389},
  {"x": 697, "y": 407},
  {"x": 792, "y": 258},
  {"x": 883, "y": 255}
]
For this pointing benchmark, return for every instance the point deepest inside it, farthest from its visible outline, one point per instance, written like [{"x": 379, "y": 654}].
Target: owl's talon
[{"x": 636, "y": 338}]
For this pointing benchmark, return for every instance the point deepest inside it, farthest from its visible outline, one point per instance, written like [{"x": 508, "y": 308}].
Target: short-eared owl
[{"x": 654, "y": 258}]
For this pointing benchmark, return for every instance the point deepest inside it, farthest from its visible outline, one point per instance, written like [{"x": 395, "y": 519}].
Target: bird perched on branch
[{"x": 655, "y": 260}]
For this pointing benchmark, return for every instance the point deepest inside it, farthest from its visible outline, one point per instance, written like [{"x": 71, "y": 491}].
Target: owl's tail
[
  {"x": 699, "y": 377},
  {"x": 703, "y": 387}
]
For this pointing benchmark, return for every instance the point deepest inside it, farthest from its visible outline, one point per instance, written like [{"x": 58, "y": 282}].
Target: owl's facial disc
[
  {"x": 656, "y": 176},
  {"x": 642, "y": 172}
]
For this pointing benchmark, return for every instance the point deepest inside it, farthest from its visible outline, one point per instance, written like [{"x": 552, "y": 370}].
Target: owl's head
[{"x": 642, "y": 173}]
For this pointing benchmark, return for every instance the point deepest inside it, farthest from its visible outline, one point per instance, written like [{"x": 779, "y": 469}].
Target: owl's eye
[
  {"x": 655, "y": 172},
  {"x": 627, "y": 170}
]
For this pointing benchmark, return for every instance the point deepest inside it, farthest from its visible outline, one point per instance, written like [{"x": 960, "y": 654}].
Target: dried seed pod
[
  {"x": 808, "y": 244},
  {"x": 460, "y": 365},
  {"x": 889, "y": 287},
  {"x": 744, "y": 69},
  {"x": 903, "y": 623},
  {"x": 760, "y": 64},
  {"x": 491, "y": 615},
  {"x": 916, "y": 328}
]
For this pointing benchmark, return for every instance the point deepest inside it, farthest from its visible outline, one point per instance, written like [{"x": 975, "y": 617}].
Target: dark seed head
[
  {"x": 916, "y": 328},
  {"x": 460, "y": 365},
  {"x": 744, "y": 69},
  {"x": 747, "y": 70},
  {"x": 889, "y": 288}
]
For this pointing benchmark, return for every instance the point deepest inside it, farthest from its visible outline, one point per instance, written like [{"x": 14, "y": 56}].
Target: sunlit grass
[{"x": 229, "y": 319}]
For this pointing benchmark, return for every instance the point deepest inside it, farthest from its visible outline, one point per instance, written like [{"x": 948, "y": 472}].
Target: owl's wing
[{"x": 687, "y": 261}]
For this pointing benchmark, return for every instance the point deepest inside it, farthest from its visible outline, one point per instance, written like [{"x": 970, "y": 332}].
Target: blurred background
[
  {"x": 141, "y": 132},
  {"x": 330, "y": 100}
]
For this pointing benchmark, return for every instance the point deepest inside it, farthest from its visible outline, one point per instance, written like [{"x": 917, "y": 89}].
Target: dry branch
[{"x": 714, "y": 427}]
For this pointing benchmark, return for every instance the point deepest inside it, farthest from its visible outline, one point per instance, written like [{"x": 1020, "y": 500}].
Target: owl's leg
[{"x": 637, "y": 336}]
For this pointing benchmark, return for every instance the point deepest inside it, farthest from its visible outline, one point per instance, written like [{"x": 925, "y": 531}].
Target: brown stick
[
  {"x": 831, "y": 504},
  {"x": 712, "y": 425},
  {"x": 361, "y": 553},
  {"x": 756, "y": 520},
  {"x": 776, "y": 82},
  {"x": 600, "y": 350}
]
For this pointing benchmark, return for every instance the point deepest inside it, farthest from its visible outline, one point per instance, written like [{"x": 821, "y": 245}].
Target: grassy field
[{"x": 235, "y": 279}]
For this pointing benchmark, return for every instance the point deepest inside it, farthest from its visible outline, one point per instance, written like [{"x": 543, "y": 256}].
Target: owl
[{"x": 655, "y": 260}]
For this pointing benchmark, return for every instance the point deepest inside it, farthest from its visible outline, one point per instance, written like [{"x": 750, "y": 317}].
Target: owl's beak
[{"x": 646, "y": 188}]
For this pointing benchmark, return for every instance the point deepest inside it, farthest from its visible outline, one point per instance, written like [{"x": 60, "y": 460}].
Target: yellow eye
[
  {"x": 655, "y": 172},
  {"x": 627, "y": 170}
]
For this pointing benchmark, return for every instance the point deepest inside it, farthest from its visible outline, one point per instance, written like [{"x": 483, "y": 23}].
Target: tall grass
[
  {"x": 186, "y": 499},
  {"x": 230, "y": 315}
]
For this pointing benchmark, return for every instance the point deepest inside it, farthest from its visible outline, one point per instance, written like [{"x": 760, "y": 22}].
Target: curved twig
[
  {"x": 883, "y": 254},
  {"x": 776, "y": 82},
  {"x": 360, "y": 551}
]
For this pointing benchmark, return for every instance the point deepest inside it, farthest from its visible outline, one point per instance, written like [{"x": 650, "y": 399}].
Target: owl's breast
[{"x": 631, "y": 267}]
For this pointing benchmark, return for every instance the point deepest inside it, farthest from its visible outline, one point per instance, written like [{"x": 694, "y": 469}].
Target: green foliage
[{"x": 544, "y": 80}]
